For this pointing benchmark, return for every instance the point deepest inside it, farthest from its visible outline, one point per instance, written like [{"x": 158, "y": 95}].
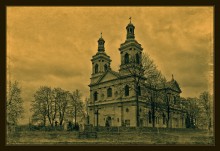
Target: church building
[{"x": 113, "y": 99}]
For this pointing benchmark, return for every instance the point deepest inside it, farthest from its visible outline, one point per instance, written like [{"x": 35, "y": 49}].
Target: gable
[
  {"x": 175, "y": 86},
  {"x": 107, "y": 77}
]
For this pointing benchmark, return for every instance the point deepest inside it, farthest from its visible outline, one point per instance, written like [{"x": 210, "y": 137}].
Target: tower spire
[
  {"x": 130, "y": 30},
  {"x": 130, "y": 19},
  {"x": 101, "y": 42}
]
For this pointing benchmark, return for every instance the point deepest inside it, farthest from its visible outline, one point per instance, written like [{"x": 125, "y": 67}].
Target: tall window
[
  {"x": 139, "y": 90},
  {"x": 109, "y": 92},
  {"x": 126, "y": 90},
  {"x": 164, "y": 118},
  {"x": 137, "y": 59},
  {"x": 126, "y": 58},
  {"x": 96, "y": 68},
  {"x": 150, "y": 116},
  {"x": 95, "y": 95},
  {"x": 106, "y": 67}
]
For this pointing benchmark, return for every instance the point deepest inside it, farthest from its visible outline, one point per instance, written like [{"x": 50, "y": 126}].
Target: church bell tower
[
  {"x": 130, "y": 50},
  {"x": 100, "y": 61}
]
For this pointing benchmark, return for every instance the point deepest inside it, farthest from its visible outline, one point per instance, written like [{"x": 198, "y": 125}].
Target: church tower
[
  {"x": 100, "y": 61},
  {"x": 130, "y": 50}
]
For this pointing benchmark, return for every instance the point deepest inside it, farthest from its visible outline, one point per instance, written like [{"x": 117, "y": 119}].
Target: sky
[{"x": 53, "y": 46}]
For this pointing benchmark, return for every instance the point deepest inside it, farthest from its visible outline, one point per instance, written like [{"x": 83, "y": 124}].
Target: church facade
[{"x": 113, "y": 99}]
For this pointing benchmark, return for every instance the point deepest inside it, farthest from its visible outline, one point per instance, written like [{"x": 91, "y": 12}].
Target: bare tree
[
  {"x": 152, "y": 102},
  {"x": 153, "y": 76},
  {"x": 62, "y": 98},
  {"x": 154, "y": 79},
  {"x": 192, "y": 112},
  {"x": 39, "y": 107},
  {"x": 145, "y": 74},
  {"x": 44, "y": 97},
  {"x": 51, "y": 105},
  {"x": 205, "y": 108},
  {"x": 14, "y": 105},
  {"x": 76, "y": 106},
  {"x": 167, "y": 99}
]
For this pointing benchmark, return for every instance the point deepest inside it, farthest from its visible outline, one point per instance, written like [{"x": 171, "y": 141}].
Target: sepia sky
[{"x": 53, "y": 46}]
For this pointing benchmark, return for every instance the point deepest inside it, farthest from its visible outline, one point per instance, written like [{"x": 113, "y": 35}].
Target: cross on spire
[
  {"x": 101, "y": 34},
  {"x": 172, "y": 77},
  {"x": 130, "y": 19}
]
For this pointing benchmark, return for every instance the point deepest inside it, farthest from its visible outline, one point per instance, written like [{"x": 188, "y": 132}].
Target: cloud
[{"x": 54, "y": 45}]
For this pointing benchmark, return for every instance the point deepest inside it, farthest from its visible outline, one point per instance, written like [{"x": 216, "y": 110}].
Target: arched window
[
  {"x": 106, "y": 67},
  {"x": 126, "y": 90},
  {"x": 96, "y": 68},
  {"x": 95, "y": 95},
  {"x": 164, "y": 118},
  {"x": 150, "y": 116},
  {"x": 139, "y": 90},
  {"x": 126, "y": 58},
  {"x": 109, "y": 92},
  {"x": 137, "y": 58}
]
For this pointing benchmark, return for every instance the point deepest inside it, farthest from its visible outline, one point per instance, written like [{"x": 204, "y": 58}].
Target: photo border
[{"x": 3, "y": 20}]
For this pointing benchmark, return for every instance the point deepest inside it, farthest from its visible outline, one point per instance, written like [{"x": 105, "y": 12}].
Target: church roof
[
  {"x": 100, "y": 54},
  {"x": 173, "y": 85},
  {"x": 114, "y": 73}
]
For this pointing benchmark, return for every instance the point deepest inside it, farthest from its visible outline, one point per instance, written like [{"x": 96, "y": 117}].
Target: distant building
[{"x": 112, "y": 99}]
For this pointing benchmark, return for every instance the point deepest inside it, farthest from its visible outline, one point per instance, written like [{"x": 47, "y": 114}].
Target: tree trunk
[
  {"x": 75, "y": 115},
  {"x": 153, "y": 109},
  {"x": 44, "y": 121},
  {"x": 61, "y": 119},
  {"x": 153, "y": 114},
  {"x": 168, "y": 116},
  {"x": 137, "y": 108},
  {"x": 168, "y": 111}
]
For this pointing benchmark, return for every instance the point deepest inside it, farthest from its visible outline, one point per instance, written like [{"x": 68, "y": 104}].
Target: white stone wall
[
  {"x": 130, "y": 115},
  {"x": 111, "y": 106}
]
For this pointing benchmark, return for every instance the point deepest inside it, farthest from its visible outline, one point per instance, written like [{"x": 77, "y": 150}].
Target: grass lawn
[{"x": 145, "y": 138}]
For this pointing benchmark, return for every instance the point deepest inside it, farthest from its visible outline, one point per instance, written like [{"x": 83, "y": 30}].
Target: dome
[
  {"x": 101, "y": 39},
  {"x": 130, "y": 25}
]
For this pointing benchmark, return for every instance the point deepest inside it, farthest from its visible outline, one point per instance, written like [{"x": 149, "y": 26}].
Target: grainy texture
[
  {"x": 53, "y": 46},
  {"x": 146, "y": 138}
]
